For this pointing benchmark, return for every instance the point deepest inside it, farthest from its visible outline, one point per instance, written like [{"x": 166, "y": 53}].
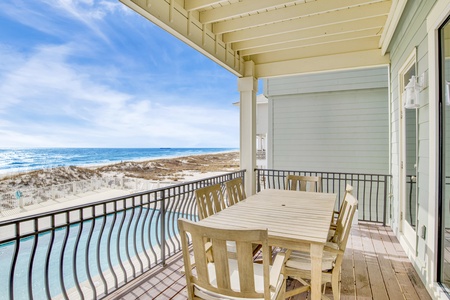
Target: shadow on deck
[{"x": 375, "y": 267}]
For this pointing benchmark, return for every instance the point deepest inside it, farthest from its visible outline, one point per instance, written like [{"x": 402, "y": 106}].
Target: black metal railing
[
  {"x": 371, "y": 190},
  {"x": 89, "y": 251}
]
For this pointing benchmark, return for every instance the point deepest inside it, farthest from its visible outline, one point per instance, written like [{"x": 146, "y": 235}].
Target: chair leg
[{"x": 335, "y": 286}]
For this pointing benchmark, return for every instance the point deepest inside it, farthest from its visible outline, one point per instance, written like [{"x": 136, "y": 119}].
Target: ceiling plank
[
  {"x": 322, "y": 40},
  {"x": 191, "y": 5},
  {"x": 340, "y": 16},
  {"x": 327, "y": 30},
  {"x": 362, "y": 59},
  {"x": 240, "y": 8},
  {"x": 296, "y": 12},
  {"x": 352, "y": 46}
]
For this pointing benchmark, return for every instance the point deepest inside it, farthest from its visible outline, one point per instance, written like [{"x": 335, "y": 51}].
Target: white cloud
[
  {"x": 136, "y": 86},
  {"x": 54, "y": 103}
]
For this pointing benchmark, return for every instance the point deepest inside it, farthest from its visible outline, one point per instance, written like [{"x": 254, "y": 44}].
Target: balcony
[
  {"x": 375, "y": 267},
  {"x": 129, "y": 246}
]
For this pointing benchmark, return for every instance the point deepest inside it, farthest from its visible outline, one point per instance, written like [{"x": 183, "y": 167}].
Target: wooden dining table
[{"x": 295, "y": 220}]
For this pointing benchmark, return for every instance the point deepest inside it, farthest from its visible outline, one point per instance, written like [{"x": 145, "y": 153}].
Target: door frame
[{"x": 408, "y": 235}]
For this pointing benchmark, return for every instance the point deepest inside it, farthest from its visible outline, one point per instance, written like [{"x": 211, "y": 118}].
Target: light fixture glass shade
[{"x": 412, "y": 90}]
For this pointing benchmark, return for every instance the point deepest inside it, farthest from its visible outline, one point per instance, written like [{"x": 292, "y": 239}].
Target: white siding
[
  {"x": 328, "y": 82},
  {"x": 345, "y": 131}
]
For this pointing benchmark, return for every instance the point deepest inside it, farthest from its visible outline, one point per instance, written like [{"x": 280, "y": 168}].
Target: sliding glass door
[{"x": 444, "y": 156}]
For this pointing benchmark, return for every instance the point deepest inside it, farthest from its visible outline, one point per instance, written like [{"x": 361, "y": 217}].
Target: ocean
[{"x": 22, "y": 160}]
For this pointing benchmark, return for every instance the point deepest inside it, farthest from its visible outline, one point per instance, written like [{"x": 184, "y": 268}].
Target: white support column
[{"x": 248, "y": 86}]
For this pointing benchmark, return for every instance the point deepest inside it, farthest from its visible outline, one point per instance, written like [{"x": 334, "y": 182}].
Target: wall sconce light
[{"x": 412, "y": 90}]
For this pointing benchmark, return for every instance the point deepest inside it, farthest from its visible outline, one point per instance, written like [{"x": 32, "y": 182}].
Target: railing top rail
[
  {"x": 115, "y": 199},
  {"x": 323, "y": 172}
]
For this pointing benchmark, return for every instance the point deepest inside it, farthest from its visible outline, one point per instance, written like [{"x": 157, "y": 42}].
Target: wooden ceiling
[{"x": 280, "y": 37}]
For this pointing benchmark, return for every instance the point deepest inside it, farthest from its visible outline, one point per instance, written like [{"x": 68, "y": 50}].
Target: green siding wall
[
  {"x": 335, "y": 122},
  {"x": 411, "y": 34}
]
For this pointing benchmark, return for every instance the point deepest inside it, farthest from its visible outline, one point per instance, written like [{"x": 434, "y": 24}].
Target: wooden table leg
[{"x": 316, "y": 271}]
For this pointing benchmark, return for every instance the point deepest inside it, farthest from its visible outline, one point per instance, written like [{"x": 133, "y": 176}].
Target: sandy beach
[
  {"x": 184, "y": 168},
  {"x": 179, "y": 169}
]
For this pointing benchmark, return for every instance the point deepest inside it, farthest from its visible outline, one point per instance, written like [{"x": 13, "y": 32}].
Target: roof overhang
[{"x": 281, "y": 37}]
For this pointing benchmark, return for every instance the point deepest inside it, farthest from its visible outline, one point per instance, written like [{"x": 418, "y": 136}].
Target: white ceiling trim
[
  {"x": 361, "y": 59},
  {"x": 394, "y": 17}
]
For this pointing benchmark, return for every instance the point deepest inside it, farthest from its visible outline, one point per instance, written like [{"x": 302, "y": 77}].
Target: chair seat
[
  {"x": 302, "y": 260},
  {"x": 259, "y": 282}
]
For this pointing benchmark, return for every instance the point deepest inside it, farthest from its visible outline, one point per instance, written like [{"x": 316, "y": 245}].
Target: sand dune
[{"x": 173, "y": 169}]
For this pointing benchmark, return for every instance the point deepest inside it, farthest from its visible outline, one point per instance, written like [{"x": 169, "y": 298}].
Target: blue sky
[{"x": 93, "y": 73}]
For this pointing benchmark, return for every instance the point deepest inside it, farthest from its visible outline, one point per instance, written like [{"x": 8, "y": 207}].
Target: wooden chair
[
  {"x": 229, "y": 277},
  {"x": 298, "y": 264},
  {"x": 235, "y": 191},
  {"x": 210, "y": 200},
  {"x": 340, "y": 213},
  {"x": 304, "y": 183}
]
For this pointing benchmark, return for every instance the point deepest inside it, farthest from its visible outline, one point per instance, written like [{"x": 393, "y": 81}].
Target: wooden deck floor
[{"x": 375, "y": 267}]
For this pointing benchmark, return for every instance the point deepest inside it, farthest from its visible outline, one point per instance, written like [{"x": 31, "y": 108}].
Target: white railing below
[{"x": 13, "y": 201}]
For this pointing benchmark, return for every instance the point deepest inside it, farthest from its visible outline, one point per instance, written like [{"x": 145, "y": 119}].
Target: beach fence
[{"x": 13, "y": 201}]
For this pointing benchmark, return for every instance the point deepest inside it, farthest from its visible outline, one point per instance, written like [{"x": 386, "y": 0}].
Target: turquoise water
[
  {"x": 150, "y": 233},
  {"x": 17, "y": 160}
]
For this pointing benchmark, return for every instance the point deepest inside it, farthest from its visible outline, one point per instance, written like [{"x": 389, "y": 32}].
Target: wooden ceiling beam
[
  {"x": 298, "y": 11},
  {"x": 340, "y": 16},
  {"x": 190, "y": 5},
  {"x": 361, "y": 59},
  {"x": 321, "y": 31},
  {"x": 326, "y": 41},
  {"x": 241, "y": 8},
  {"x": 317, "y": 50}
]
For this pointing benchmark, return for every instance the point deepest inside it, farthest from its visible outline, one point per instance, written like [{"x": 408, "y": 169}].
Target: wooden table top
[{"x": 290, "y": 216}]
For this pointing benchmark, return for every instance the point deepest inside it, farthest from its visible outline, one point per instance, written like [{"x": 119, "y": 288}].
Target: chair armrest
[{"x": 332, "y": 248}]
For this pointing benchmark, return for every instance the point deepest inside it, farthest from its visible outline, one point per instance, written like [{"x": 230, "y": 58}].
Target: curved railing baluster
[
  {"x": 108, "y": 246},
  {"x": 75, "y": 256},
  {"x": 14, "y": 261},
  {"x": 30, "y": 265},
  {"x": 134, "y": 236},
  {"x": 61, "y": 259},
  {"x": 142, "y": 233},
  {"x": 86, "y": 253},
  {"x": 149, "y": 230},
  {"x": 99, "y": 239},
  {"x": 118, "y": 241},
  {"x": 47, "y": 258},
  {"x": 127, "y": 245}
]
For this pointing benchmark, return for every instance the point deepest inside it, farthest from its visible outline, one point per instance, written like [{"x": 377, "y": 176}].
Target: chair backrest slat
[
  {"x": 348, "y": 190},
  {"x": 223, "y": 260},
  {"x": 210, "y": 200},
  {"x": 344, "y": 223},
  {"x": 304, "y": 183},
  {"x": 235, "y": 191}
]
